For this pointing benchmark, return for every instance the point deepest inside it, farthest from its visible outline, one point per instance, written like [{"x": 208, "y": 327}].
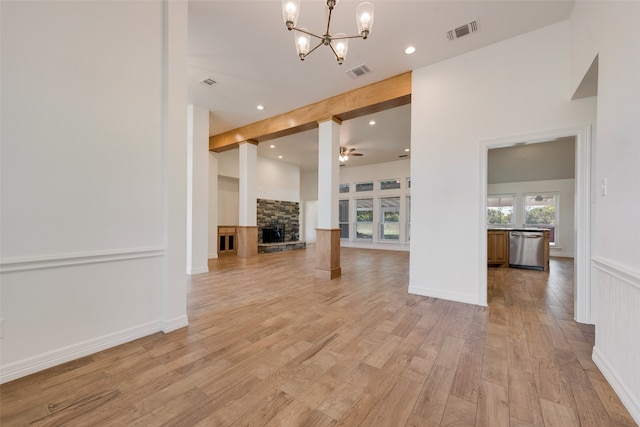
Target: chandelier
[{"x": 338, "y": 42}]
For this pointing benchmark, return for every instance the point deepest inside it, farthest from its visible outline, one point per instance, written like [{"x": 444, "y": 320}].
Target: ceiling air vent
[
  {"x": 360, "y": 70},
  {"x": 463, "y": 30},
  {"x": 209, "y": 82}
]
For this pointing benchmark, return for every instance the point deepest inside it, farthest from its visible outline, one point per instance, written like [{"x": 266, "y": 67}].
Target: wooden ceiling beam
[{"x": 380, "y": 96}]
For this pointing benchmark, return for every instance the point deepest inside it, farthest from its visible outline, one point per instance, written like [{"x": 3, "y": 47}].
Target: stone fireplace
[{"x": 278, "y": 226}]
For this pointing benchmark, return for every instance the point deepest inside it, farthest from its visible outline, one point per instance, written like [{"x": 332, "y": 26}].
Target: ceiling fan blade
[{"x": 349, "y": 152}]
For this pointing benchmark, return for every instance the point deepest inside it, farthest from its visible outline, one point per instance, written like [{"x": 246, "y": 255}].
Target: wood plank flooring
[{"x": 270, "y": 345}]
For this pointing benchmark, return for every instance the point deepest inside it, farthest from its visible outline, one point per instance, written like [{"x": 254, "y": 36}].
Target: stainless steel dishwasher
[{"x": 526, "y": 249}]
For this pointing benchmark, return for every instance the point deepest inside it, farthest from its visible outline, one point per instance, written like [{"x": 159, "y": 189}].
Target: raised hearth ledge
[{"x": 264, "y": 248}]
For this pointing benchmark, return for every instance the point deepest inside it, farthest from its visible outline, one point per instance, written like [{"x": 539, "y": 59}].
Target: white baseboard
[
  {"x": 56, "y": 357},
  {"x": 617, "y": 384},
  {"x": 175, "y": 324},
  {"x": 450, "y": 296},
  {"x": 198, "y": 270}
]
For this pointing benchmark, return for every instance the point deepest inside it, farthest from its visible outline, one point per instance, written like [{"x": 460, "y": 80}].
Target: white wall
[
  {"x": 520, "y": 86},
  {"x": 93, "y": 219},
  {"x": 566, "y": 192},
  {"x": 275, "y": 181},
  {"x": 308, "y": 205},
  {"x": 227, "y": 201},
  {"x": 229, "y": 163},
  {"x": 228, "y": 189},
  {"x": 213, "y": 221},
  {"x": 610, "y": 30},
  {"x": 278, "y": 180},
  {"x": 309, "y": 185},
  {"x": 197, "y": 189},
  {"x": 310, "y": 220},
  {"x": 396, "y": 169}
]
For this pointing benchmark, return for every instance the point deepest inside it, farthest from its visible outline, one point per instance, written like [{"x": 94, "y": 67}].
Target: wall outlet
[{"x": 603, "y": 186}]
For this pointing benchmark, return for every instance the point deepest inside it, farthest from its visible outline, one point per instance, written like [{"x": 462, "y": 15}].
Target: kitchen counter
[{"x": 498, "y": 246}]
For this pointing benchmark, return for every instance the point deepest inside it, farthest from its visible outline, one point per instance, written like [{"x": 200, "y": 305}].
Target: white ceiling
[{"x": 245, "y": 47}]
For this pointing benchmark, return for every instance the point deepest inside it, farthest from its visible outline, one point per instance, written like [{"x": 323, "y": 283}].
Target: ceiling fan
[{"x": 345, "y": 153}]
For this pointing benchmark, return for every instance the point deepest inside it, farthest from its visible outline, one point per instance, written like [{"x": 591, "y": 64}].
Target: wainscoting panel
[
  {"x": 65, "y": 260},
  {"x": 617, "y": 349},
  {"x": 60, "y": 308}
]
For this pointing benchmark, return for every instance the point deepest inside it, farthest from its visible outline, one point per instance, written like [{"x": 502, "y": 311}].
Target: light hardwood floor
[{"x": 269, "y": 344}]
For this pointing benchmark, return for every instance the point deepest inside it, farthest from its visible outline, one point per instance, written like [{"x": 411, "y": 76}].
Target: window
[
  {"x": 343, "y": 218},
  {"x": 390, "y": 218},
  {"x": 390, "y": 184},
  {"x": 344, "y": 188},
  {"x": 500, "y": 209},
  {"x": 364, "y": 219},
  {"x": 541, "y": 211},
  {"x": 364, "y": 186}
]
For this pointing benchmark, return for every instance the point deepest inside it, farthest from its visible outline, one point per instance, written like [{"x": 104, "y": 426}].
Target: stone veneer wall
[
  {"x": 281, "y": 247},
  {"x": 276, "y": 212}
]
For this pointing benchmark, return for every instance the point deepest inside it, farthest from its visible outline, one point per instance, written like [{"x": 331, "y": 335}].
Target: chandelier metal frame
[{"x": 338, "y": 42}]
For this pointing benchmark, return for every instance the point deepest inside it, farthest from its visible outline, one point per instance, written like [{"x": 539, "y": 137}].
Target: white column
[
  {"x": 213, "y": 205},
  {"x": 328, "y": 231},
  {"x": 248, "y": 188},
  {"x": 197, "y": 189},
  {"x": 247, "y": 230},
  {"x": 328, "y": 173},
  {"x": 174, "y": 283}
]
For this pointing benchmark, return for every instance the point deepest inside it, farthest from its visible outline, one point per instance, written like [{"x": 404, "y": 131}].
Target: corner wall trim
[
  {"x": 175, "y": 324},
  {"x": 65, "y": 354},
  {"x": 618, "y": 385},
  {"x": 198, "y": 270},
  {"x": 37, "y": 263},
  {"x": 450, "y": 296}
]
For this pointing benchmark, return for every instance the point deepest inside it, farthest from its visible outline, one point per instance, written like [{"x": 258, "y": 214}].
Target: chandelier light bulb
[
  {"x": 290, "y": 12},
  {"x": 340, "y": 46},
  {"x": 364, "y": 18},
  {"x": 303, "y": 43}
]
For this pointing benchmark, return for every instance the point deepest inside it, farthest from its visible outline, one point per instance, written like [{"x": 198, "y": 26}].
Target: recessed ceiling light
[
  {"x": 279, "y": 157},
  {"x": 372, "y": 122},
  {"x": 407, "y": 150},
  {"x": 410, "y": 50},
  {"x": 260, "y": 107},
  {"x": 272, "y": 146}
]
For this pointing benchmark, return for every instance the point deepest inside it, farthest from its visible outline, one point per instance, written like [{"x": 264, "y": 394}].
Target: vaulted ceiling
[{"x": 246, "y": 49}]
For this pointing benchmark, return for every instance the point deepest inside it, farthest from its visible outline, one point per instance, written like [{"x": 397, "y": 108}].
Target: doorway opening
[{"x": 583, "y": 310}]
